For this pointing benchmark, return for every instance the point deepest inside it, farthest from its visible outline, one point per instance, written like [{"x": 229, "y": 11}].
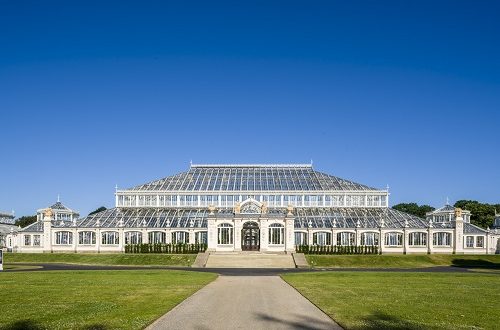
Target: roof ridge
[{"x": 252, "y": 165}]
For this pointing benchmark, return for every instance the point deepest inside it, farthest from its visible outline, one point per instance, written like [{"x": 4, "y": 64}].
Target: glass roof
[
  {"x": 304, "y": 218},
  {"x": 251, "y": 178},
  {"x": 344, "y": 217},
  {"x": 149, "y": 218}
]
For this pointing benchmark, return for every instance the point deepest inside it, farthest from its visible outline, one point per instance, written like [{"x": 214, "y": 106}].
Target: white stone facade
[{"x": 268, "y": 208}]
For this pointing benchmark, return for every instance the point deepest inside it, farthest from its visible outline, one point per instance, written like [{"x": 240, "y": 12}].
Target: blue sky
[{"x": 405, "y": 94}]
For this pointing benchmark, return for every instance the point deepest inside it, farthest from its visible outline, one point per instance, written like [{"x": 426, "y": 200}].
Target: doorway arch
[{"x": 250, "y": 236}]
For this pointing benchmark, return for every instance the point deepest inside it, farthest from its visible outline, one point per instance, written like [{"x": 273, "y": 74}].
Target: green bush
[
  {"x": 165, "y": 248},
  {"x": 334, "y": 249}
]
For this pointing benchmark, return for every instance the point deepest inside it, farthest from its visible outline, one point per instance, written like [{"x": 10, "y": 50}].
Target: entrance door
[{"x": 250, "y": 237}]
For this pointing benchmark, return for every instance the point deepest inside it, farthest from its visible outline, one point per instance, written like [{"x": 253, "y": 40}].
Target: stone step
[{"x": 263, "y": 260}]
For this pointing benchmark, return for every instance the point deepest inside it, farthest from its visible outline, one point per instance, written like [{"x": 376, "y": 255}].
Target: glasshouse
[{"x": 267, "y": 208}]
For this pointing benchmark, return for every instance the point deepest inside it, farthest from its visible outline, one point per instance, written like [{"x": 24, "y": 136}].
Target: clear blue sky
[{"x": 405, "y": 93}]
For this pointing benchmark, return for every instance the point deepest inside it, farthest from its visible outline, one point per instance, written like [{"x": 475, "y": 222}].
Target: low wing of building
[{"x": 255, "y": 207}]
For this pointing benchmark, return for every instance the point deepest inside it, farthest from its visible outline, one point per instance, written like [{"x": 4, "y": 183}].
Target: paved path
[
  {"x": 247, "y": 260},
  {"x": 245, "y": 302}
]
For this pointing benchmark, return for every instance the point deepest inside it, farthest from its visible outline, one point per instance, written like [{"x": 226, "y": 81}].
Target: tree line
[{"x": 482, "y": 214}]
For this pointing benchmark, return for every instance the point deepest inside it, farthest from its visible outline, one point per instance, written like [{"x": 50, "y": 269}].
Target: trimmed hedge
[
  {"x": 165, "y": 248},
  {"x": 336, "y": 249}
]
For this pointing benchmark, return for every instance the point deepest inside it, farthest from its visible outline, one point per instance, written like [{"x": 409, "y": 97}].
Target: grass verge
[
  {"x": 103, "y": 259},
  {"x": 93, "y": 299},
  {"x": 403, "y": 261},
  {"x": 383, "y": 300}
]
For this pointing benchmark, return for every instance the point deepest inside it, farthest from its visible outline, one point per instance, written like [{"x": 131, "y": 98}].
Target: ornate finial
[
  {"x": 191, "y": 223},
  {"x": 289, "y": 210},
  {"x": 211, "y": 209},
  {"x": 311, "y": 162},
  {"x": 116, "y": 187},
  {"x": 237, "y": 208},
  {"x": 334, "y": 224},
  {"x": 358, "y": 224},
  {"x": 430, "y": 223},
  {"x": 14, "y": 212},
  {"x": 309, "y": 223},
  {"x": 58, "y": 199},
  {"x": 447, "y": 201},
  {"x": 48, "y": 213},
  {"x": 406, "y": 223},
  {"x": 263, "y": 209},
  {"x": 387, "y": 187},
  {"x": 458, "y": 212},
  {"x": 190, "y": 163}
]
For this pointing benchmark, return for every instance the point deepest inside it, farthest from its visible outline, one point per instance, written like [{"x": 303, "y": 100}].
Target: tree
[
  {"x": 482, "y": 214},
  {"x": 414, "y": 208},
  {"x": 102, "y": 208},
  {"x": 25, "y": 220}
]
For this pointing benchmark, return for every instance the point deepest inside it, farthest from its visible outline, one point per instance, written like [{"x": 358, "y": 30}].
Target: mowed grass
[
  {"x": 403, "y": 261},
  {"x": 388, "y": 300},
  {"x": 103, "y": 259},
  {"x": 93, "y": 299}
]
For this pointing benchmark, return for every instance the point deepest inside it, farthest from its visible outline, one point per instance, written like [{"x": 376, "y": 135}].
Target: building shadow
[
  {"x": 32, "y": 325},
  {"x": 474, "y": 263},
  {"x": 302, "y": 322},
  {"x": 22, "y": 325},
  {"x": 379, "y": 320}
]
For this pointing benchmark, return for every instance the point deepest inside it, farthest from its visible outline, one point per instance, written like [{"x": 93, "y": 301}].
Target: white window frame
[
  {"x": 276, "y": 234},
  {"x": 225, "y": 234},
  {"x": 110, "y": 238},
  {"x": 63, "y": 238},
  {"x": 87, "y": 237}
]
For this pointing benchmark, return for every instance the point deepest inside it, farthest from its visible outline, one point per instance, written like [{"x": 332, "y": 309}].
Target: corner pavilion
[{"x": 267, "y": 208}]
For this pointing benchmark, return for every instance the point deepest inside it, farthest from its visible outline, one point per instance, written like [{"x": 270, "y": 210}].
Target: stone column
[
  {"x": 98, "y": 239},
  {"x": 191, "y": 236},
  {"x": 238, "y": 226},
  {"x": 264, "y": 228},
  {"x": 121, "y": 239},
  {"x": 75, "y": 239},
  {"x": 381, "y": 241},
  {"x": 290, "y": 234},
  {"x": 47, "y": 231},
  {"x": 458, "y": 234},
  {"x": 429, "y": 240},
  {"x": 212, "y": 233},
  {"x": 405, "y": 240}
]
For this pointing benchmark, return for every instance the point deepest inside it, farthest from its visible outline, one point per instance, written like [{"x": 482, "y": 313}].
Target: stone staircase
[{"x": 249, "y": 260}]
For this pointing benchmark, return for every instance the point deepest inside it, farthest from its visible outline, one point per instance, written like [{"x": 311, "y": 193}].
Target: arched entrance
[{"x": 250, "y": 237}]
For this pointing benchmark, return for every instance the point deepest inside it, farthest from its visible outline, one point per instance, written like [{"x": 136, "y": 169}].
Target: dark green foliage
[
  {"x": 102, "y": 208},
  {"x": 414, "y": 208},
  {"x": 336, "y": 249},
  {"x": 25, "y": 221},
  {"x": 482, "y": 214},
  {"x": 165, "y": 248}
]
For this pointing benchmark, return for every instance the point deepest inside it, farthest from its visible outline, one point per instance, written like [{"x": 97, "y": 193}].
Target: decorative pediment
[{"x": 250, "y": 206}]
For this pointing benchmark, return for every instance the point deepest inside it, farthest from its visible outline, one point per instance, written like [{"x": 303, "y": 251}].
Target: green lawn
[
  {"x": 93, "y": 299},
  {"x": 388, "y": 300},
  {"x": 403, "y": 261},
  {"x": 104, "y": 259}
]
